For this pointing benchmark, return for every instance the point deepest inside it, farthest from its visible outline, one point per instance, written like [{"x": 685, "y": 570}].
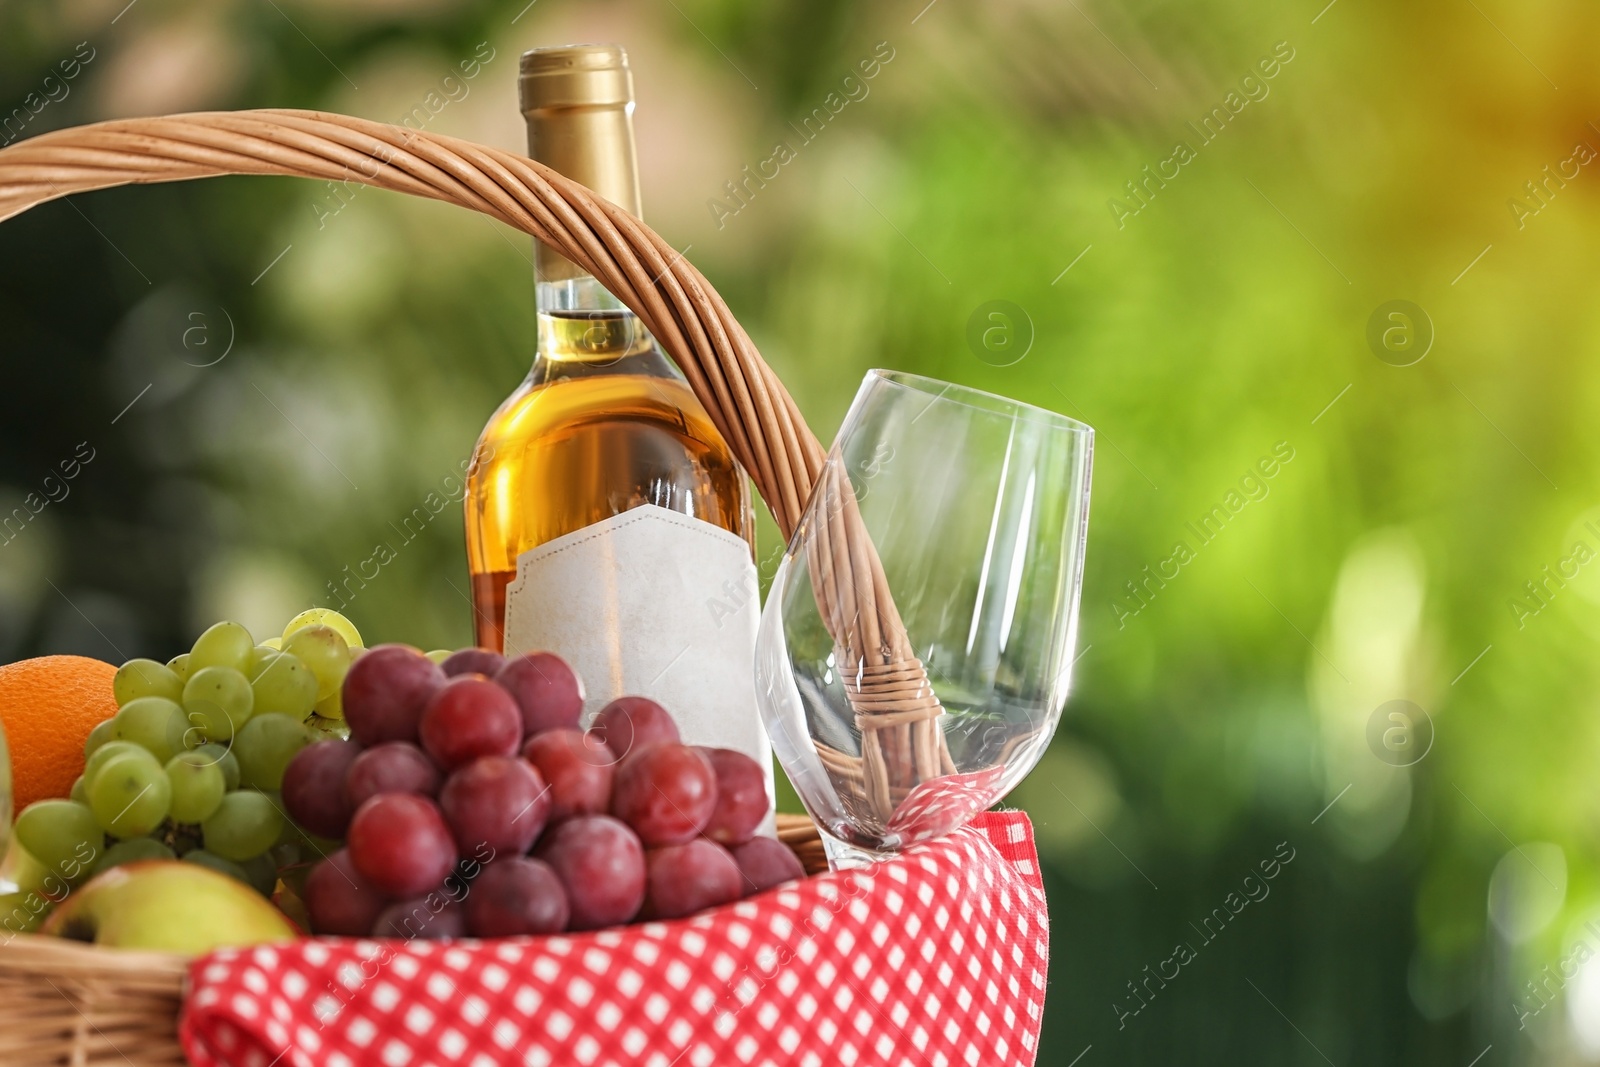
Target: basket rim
[{"x": 60, "y": 955}]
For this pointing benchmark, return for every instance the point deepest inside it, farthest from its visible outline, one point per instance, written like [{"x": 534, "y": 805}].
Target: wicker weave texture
[{"x": 64, "y": 1003}]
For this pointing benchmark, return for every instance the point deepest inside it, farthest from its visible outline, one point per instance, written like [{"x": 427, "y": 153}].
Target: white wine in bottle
[{"x": 607, "y": 521}]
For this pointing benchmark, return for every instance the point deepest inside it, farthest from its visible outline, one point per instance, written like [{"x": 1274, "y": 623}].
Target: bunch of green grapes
[{"x": 191, "y": 764}]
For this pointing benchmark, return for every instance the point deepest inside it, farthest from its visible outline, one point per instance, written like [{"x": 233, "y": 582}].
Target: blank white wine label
[{"x": 650, "y": 603}]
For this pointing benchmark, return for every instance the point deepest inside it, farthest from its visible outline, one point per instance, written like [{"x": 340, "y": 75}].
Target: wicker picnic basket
[{"x": 67, "y": 1003}]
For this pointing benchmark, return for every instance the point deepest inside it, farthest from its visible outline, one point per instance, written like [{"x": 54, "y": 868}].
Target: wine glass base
[{"x": 843, "y": 856}]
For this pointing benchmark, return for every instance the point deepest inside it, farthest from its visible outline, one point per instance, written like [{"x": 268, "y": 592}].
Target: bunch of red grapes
[{"x": 471, "y": 804}]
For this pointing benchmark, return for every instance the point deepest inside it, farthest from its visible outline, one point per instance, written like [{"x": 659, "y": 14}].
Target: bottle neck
[
  {"x": 578, "y": 103},
  {"x": 580, "y": 293},
  {"x": 585, "y": 330}
]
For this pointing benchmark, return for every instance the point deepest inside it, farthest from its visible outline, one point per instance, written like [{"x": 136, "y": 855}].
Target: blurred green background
[{"x": 305, "y": 363}]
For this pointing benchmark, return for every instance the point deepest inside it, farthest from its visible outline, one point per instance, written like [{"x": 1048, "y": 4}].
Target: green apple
[{"x": 168, "y": 906}]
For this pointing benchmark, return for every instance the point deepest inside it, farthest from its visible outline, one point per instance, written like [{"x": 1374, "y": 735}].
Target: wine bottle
[{"x": 607, "y": 521}]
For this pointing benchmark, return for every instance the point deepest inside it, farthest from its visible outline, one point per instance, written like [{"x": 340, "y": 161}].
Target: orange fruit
[{"x": 48, "y": 706}]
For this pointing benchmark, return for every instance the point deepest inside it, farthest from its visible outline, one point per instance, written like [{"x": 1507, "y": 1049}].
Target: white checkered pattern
[{"x": 934, "y": 959}]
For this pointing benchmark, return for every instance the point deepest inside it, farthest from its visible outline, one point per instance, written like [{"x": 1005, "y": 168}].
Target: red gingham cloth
[{"x": 934, "y": 958}]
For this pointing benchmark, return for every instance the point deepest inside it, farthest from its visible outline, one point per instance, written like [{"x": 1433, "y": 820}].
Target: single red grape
[
  {"x": 691, "y": 877},
  {"x": 415, "y": 920},
  {"x": 517, "y": 896},
  {"x": 628, "y": 724},
  {"x": 601, "y": 865},
  {"x": 547, "y": 690},
  {"x": 473, "y": 661},
  {"x": 313, "y": 787},
  {"x": 666, "y": 793},
  {"x": 741, "y": 796},
  {"x": 467, "y": 718},
  {"x": 392, "y": 767},
  {"x": 385, "y": 692},
  {"x": 495, "y": 801},
  {"x": 764, "y": 863},
  {"x": 401, "y": 844},
  {"x": 340, "y": 901},
  {"x": 577, "y": 767}
]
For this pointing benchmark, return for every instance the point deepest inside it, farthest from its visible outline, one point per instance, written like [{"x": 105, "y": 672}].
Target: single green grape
[
  {"x": 217, "y": 702},
  {"x": 223, "y": 757},
  {"x": 246, "y": 824},
  {"x": 274, "y": 643},
  {"x": 101, "y": 733},
  {"x": 227, "y": 644},
  {"x": 264, "y": 747},
  {"x": 130, "y": 796},
  {"x": 109, "y": 751},
  {"x": 62, "y": 835},
  {"x": 283, "y": 685},
  {"x": 145, "y": 678},
  {"x": 439, "y": 655},
  {"x": 132, "y": 851},
  {"x": 198, "y": 786},
  {"x": 262, "y": 872},
  {"x": 79, "y": 790},
  {"x": 332, "y": 706},
  {"x": 325, "y": 651},
  {"x": 325, "y": 617},
  {"x": 180, "y": 666},
  {"x": 202, "y": 858},
  {"x": 155, "y": 723}
]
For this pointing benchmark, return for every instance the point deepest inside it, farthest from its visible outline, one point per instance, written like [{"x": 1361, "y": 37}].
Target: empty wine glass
[{"x": 917, "y": 643}]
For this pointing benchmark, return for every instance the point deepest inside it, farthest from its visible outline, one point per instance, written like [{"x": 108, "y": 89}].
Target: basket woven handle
[
  {"x": 896, "y": 708},
  {"x": 745, "y": 400}
]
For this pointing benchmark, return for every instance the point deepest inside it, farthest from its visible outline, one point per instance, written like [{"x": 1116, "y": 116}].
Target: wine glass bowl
[{"x": 916, "y": 646}]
